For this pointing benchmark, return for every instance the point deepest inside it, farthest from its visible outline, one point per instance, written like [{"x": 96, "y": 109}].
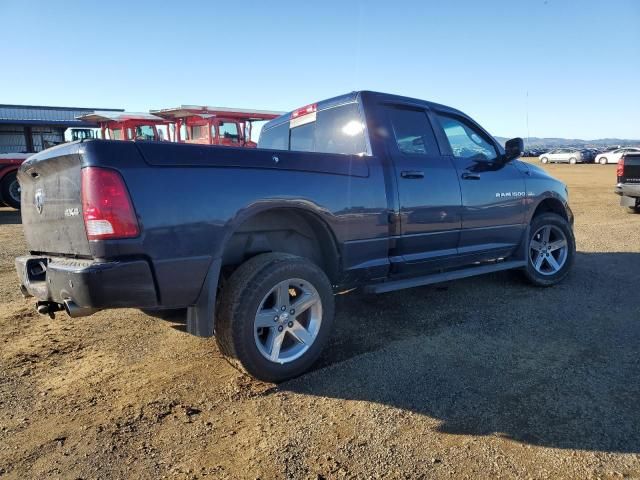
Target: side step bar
[{"x": 392, "y": 285}]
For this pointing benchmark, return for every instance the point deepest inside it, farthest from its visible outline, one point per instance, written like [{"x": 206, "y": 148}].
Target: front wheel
[
  {"x": 551, "y": 250},
  {"x": 275, "y": 316},
  {"x": 573, "y": 161},
  {"x": 10, "y": 190},
  {"x": 603, "y": 161},
  {"x": 544, "y": 160}
]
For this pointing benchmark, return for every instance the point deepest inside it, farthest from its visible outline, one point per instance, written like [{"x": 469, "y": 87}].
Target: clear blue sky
[{"x": 579, "y": 61}]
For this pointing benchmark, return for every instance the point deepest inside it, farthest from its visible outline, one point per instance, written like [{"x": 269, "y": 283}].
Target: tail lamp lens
[{"x": 106, "y": 206}]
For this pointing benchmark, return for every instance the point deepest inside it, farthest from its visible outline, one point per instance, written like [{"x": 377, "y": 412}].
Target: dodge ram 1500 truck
[
  {"x": 628, "y": 184},
  {"x": 363, "y": 190}
]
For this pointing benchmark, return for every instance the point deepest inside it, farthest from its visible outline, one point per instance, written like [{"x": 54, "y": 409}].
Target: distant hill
[{"x": 573, "y": 142}]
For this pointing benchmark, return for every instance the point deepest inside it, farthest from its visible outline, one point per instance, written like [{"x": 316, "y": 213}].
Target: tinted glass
[
  {"x": 276, "y": 138},
  {"x": 336, "y": 130},
  {"x": 303, "y": 138},
  {"x": 466, "y": 141},
  {"x": 339, "y": 130},
  {"x": 412, "y": 130}
]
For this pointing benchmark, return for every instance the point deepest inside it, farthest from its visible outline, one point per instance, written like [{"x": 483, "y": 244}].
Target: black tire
[
  {"x": 603, "y": 160},
  {"x": 240, "y": 300},
  {"x": 530, "y": 273},
  {"x": 573, "y": 161},
  {"x": 633, "y": 210},
  {"x": 544, "y": 160},
  {"x": 7, "y": 190}
]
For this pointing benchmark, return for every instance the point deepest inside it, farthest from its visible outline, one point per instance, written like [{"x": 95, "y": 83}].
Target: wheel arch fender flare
[{"x": 321, "y": 216}]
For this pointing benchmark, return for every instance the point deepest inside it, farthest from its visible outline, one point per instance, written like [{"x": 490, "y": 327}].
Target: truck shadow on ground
[
  {"x": 8, "y": 216},
  {"x": 556, "y": 367}
]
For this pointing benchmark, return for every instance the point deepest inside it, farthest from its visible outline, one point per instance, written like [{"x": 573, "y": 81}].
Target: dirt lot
[{"x": 485, "y": 377}]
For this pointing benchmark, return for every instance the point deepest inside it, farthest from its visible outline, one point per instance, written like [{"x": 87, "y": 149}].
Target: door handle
[
  {"x": 412, "y": 174},
  {"x": 470, "y": 176}
]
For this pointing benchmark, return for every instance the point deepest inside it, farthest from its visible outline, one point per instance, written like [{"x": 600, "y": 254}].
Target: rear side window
[
  {"x": 412, "y": 130},
  {"x": 335, "y": 130}
]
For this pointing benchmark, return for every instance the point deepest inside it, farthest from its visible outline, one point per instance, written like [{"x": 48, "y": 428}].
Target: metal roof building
[{"x": 29, "y": 128}]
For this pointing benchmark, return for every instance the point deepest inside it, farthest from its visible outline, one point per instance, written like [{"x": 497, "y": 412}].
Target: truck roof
[
  {"x": 353, "y": 97},
  {"x": 207, "y": 111},
  {"x": 107, "y": 116}
]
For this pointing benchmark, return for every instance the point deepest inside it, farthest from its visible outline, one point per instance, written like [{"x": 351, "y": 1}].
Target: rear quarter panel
[{"x": 190, "y": 199}]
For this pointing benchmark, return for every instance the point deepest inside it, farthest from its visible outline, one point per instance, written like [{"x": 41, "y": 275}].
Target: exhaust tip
[{"x": 74, "y": 311}]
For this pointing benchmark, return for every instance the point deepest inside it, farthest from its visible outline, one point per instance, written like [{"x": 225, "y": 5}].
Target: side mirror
[{"x": 513, "y": 149}]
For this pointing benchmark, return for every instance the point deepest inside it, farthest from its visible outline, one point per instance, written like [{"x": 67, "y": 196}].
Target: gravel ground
[{"x": 485, "y": 377}]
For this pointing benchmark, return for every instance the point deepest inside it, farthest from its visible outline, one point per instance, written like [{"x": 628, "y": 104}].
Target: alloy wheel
[
  {"x": 548, "y": 250},
  {"x": 288, "y": 321}
]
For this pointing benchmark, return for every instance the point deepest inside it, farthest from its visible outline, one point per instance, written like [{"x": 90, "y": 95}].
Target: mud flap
[
  {"x": 628, "y": 201},
  {"x": 201, "y": 316},
  {"x": 522, "y": 252}
]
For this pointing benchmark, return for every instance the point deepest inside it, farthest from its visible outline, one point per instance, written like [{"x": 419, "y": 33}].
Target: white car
[
  {"x": 614, "y": 155},
  {"x": 562, "y": 155}
]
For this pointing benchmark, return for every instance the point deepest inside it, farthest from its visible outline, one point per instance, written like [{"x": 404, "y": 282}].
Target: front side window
[
  {"x": 466, "y": 141},
  {"x": 411, "y": 129}
]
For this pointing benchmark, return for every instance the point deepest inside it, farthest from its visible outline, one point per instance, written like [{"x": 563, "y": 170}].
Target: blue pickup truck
[{"x": 366, "y": 190}]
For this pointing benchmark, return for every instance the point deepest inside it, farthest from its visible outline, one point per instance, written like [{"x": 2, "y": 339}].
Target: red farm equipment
[{"x": 214, "y": 125}]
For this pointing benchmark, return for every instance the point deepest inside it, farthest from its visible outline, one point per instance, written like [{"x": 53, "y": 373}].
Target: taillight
[
  {"x": 106, "y": 205},
  {"x": 620, "y": 169}
]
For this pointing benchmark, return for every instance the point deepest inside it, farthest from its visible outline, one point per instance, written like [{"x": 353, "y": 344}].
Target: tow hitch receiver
[{"x": 48, "y": 308}]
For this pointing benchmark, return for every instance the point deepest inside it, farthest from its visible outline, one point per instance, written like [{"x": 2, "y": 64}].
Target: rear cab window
[{"x": 338, "y": 129}]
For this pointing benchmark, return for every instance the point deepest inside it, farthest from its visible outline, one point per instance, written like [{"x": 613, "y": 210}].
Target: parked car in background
[
  {"x": 588, "y": 155},
  {"x": 614, "y": 156},
  {"x": 562, "y": 155},
  {"x": 628, "y": 181}
]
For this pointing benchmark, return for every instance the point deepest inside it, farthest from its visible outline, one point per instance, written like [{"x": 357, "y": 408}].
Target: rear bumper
[
  {"x": 86, "y": 283},
  {"x": 628, "y": 189}
]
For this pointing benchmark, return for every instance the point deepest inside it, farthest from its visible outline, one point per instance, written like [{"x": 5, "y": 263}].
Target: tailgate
[
  {"x": 51, "y": 202},
  {"x": 631, "y": 168}
]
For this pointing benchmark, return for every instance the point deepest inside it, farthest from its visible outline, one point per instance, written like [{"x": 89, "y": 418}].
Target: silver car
[{"x": 562, "y": 155}]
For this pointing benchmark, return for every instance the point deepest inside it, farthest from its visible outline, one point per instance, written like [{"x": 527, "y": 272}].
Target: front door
[
  {"x": 493, "y": 193},
  {"x": 429, "y": 200}
]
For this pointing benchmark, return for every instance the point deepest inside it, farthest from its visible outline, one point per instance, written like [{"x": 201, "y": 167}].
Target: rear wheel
[
  {"x": 551, "y": 250},
  {"x": 10, "y": 190},
  {"x": 275, "y": 316}
]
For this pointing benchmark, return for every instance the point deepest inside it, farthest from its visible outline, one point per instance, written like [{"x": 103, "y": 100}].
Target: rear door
[
  {"x": 493, "y": 193},
  {"x": 428, "y": 193}
]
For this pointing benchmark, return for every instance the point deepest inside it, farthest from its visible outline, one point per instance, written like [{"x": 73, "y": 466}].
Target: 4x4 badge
[{"x": 39, "y": 200}]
